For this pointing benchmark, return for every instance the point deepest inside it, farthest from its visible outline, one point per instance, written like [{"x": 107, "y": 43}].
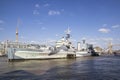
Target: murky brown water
[{"x": 86, "y": 68}]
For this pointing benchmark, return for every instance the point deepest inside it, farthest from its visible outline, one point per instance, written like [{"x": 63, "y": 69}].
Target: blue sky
[{"x": 98, "y": 21}]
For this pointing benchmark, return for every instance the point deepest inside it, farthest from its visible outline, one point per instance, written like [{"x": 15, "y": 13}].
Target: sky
[{"x": 97, "y": 21}]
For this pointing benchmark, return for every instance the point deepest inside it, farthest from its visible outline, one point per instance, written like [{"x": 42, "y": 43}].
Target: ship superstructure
[
  {"x": 83, "y": 49},
  {"x": 65, "y": 41}
]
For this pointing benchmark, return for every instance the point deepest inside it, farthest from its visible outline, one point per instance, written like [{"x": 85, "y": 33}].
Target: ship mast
[{"x": 68, "y": 34}]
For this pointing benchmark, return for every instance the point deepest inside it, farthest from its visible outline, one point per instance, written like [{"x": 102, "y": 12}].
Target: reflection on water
[{"x": 87, "y": 68}]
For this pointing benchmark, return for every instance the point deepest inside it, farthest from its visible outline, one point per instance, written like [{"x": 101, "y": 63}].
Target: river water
[{"x": 84, "y": 68}]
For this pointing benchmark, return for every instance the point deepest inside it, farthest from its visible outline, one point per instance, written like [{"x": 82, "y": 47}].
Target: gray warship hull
[{"x": 21, "y": 53}]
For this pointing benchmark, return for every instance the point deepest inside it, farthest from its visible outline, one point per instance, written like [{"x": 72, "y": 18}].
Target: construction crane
[{"x": 17, "y": 31}]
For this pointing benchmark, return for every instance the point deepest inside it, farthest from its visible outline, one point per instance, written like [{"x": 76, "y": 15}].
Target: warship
[{"x": 62, "y": 49}]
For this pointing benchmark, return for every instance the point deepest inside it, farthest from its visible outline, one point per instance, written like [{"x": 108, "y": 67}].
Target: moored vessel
[{"x": 63, "y": 49}]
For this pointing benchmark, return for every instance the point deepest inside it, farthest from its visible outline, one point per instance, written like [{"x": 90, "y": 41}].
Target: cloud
[
  {"x": 37, "y": 5},
  {"x": 1, "y": 21},
  {"x": 100, "y": 41},
  {"x": 53, "y": 12},
  {"x": 104, "y": 30},
  {"x": 62, "y": 10},
  {"x": 36, "y": 12},
  {"x": 104, "y": 25},
  {"x": 56, "y": 35},
  {"x": 43, "y": 28},
  {"x": 37, "y": 22},
  {"x": 116, "y": 26},
  {"x": 46, "y": 5},
  {"x": 107, "y": 39}
]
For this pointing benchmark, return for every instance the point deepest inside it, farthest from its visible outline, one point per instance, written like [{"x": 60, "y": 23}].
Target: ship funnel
[{"x": 78, "y": 46}]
